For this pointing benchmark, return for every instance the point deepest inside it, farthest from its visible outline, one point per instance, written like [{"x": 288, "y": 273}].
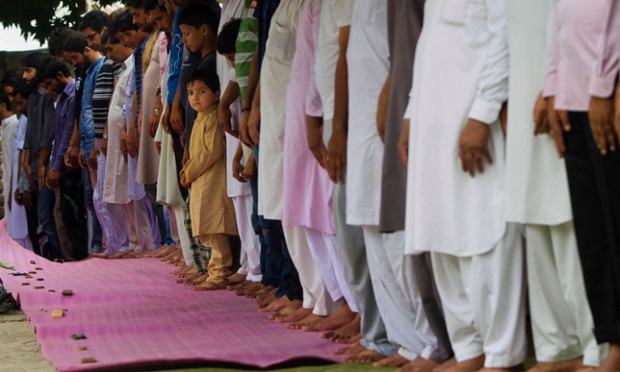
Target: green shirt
[{"x": 246, "y": 45}]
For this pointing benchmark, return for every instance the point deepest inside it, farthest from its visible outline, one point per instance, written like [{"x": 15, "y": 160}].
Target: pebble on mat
[
  {"x": 25, "y": 283},
  {"x": 40, "y": 279},
  {"x": 39, "y": 287},
  {"x": 58, "y": 314},
  {"x": 82, "y": 348},
  {"x": 33, "y": 262},
  {"x": 78, "y": 336},
  {"x": 67, "y": 292},
  {"x": 89, "y": 360},
  {"x": 38, "y": 268}
]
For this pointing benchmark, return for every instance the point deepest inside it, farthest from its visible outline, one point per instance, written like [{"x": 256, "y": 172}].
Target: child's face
[
  {"x": 200, "y": 96},
  {"x": 193, "y": 37}
]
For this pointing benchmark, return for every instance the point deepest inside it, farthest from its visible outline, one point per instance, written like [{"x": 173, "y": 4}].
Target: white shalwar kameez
[
  {"x": 368, "y": 66},
  {"x": 274, "y": 78},
  {"x": 460, "y": 72},
  {"x": 537, "y": 196}
]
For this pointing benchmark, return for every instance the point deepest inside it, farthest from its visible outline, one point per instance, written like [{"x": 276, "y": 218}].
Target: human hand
[
  {"x": 153, "y": 125},
  {"x": 473, "y": 147},
  {"x": 82, "y": 159},
  {"x": 104, "y": 147},
  {"x": 541, "y": 118},
  {"x": 314, "y": 127},
  {"x": 176, "y": 118},
  {"x": 237, "y": 170},
  {"x": 558, "y": 122},
  {"x": 254, "y": 126},
  {"x": 123, "y": 144},
  {"x": 132, "y": 143},
  {"x": 403, "y": 144},
  {"x": 165, "y": 120},
  {"x": 18, "y": 198},
  {"x": 601, "y": 115},
  {"x": 92, "y": 158},
  {"x": 337, "y": 157},
  {"x": 27, "y": 200},
  {"x": 249, "y": 171},
  {"x": 244, "y": 135},
  {"x": 224, "y": 117},
  {"x": 41, "y": 177},
  {"x": 52, "y": 179}
]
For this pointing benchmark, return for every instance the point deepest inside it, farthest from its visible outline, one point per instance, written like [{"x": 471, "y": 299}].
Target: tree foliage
[{"x": 38, "y": 18}]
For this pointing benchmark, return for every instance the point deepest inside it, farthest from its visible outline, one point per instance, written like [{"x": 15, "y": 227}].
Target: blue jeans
[
  {"x": 96, "y": 243},
  {"x": 46, "y": 203}
]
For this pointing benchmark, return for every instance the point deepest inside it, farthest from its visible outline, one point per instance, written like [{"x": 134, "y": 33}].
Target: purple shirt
[{"x": 65, "y": 112}]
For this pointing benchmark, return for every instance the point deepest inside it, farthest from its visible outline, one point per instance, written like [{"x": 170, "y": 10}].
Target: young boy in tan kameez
[{"x": 204, "y": 174}]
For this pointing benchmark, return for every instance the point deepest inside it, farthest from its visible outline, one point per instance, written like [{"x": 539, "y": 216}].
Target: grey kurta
[{"x": 404, "y": 28}]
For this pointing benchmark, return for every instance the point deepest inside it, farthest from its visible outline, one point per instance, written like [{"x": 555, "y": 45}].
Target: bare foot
[
  {"x": 208, "y": 285},
  {"x": 117, "y": 255},
  {"x": 339, "y": 319},
  {"x": 248, "y": 290},
  {"x": 291, "y": 313},
  {"x": 419, "y": 365},
  {"x": 190, "y": 278},
  {"x": 232, "y": 287},
  {"x": 100, "y": 255},
  {"x": 517, "y": 368},
  {"x": 473, "y": 364},
  {"x": 354, "y": 349},
  {"x": 263, "y": 293},
  {"x": 201, "y": 279},
  {"x": 346, "y": 332},
  {"x": 561, "y": 366},
  {"x": 267, "y": 298},
  {"x": 276, "y": 305},
  {"x": 446, "y": 365},
  {"x": 365, "y": 357},
  {"x": 395, "y": 361},
  {"x": 236, "y": 279},
  {"x": 306, "y": 321}
]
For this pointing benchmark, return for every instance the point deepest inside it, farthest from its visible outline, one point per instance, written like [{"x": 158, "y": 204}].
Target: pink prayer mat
[{"x": 135, "y": 315}]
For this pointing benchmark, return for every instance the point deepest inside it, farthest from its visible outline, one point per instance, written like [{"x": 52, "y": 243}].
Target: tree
[{"x": 38, "y": 18}]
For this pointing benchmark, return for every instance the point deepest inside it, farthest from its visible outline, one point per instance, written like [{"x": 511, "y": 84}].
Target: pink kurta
[{"x": 307, "y": 187}]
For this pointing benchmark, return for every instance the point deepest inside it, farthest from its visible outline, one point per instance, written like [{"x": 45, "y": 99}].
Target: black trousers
[
  {"x": 73, "y": 208},
  {"x": 32, "y": 218},
  {"x": 594, "y": 182}
]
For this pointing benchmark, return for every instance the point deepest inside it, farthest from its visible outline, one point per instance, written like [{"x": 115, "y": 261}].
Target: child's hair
[
  {"x": 227, "y": 38},
  {"x": 197, "y": 15},
  {"x": 210, "y": 79}
]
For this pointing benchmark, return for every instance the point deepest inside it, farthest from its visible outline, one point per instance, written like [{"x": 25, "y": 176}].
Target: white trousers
[
  {"x": 250, "y": 245},
  {"x": 315, "y": 293},
  {"x": 405, "y": 321},
  {"x": 561, "y": 319},
  {"x": 483, "y": 298},
  {"x": 139, "y": 225},
  {"x": 331, "y": 267},
  {"x": 179, "y": 218}
]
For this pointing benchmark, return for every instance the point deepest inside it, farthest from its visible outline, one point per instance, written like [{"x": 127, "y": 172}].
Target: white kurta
[
  {"x": 115, "y": 185},
  {"x": 17, "y": 225},
  {"x": 460, "y": 72},
  {"x": 274, "y": 78},
  {"x": 536, "y": 185},
  {"x": 368, "y": 66},
  {"x": 7, "y": 133}
]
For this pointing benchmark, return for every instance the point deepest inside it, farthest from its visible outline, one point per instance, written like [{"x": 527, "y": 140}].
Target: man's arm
[
  {"x": 244, "y": 136},
  {"x": 337, "y": 147}
]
